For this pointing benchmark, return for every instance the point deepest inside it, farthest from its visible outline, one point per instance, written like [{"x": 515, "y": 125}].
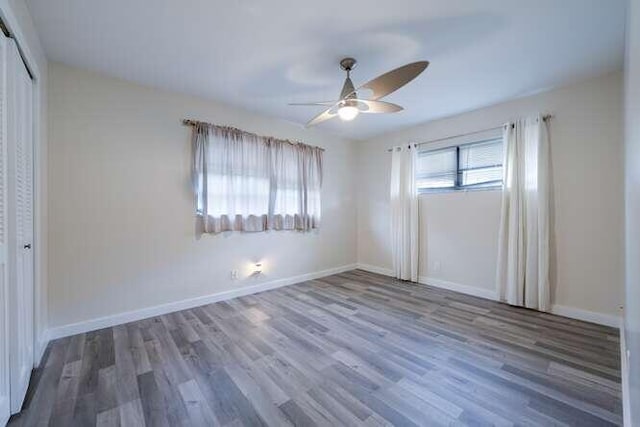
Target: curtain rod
[
  {"x": 545, "y": 118},
  {"x": 189, "y": 122}
]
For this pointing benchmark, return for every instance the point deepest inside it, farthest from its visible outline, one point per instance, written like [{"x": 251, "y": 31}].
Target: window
[
  {"x": 244, "y": 182},
  {"x": 469, "y": 166}
]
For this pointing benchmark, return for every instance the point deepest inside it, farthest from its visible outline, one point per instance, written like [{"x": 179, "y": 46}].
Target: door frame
[{"x": 33, "y": 57}]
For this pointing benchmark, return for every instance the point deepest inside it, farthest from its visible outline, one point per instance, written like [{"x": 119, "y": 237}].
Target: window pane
[
  {"x": 436, "y": 169},
  {"x": 237, "y": 195},
  {"x": 481, "y": 154},
  {"x": 492, "y": 176},
  {"x": 481, "y": 163}
]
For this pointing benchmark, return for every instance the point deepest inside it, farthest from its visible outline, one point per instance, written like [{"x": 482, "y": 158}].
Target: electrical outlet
[{"x": 234, "y": 274}]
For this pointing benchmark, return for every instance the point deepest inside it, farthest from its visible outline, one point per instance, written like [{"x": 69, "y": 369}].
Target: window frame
[{"x": 458, "y": 186}]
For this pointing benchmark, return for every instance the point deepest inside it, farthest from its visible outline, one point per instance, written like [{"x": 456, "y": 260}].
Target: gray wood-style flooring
[{"x": 350, "y": 349}]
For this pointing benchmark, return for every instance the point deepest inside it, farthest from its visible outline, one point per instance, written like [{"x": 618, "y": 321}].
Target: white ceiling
[{"x": 261, "y": 55}]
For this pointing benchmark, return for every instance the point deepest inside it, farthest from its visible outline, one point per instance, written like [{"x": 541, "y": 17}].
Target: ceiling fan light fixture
[
  {"x": 348, "y": 112},
  {"x": 348, "y": 106}
]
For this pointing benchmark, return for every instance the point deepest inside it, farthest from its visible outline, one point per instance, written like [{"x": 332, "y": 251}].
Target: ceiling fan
[{"x": 349, "y": 105}]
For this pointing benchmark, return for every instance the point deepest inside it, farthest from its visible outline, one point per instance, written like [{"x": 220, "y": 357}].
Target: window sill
[{"x": 458, "y": 190}]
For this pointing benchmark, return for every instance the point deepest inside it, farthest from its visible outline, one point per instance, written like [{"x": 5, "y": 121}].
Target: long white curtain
[
  {"x": 244, "y": 182},
  {"x": 523, "y": 252},
  {"x": 404, "y": 213}
]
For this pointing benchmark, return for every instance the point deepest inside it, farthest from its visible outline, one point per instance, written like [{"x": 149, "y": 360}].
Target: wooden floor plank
[{"x": 352, "y": 349}]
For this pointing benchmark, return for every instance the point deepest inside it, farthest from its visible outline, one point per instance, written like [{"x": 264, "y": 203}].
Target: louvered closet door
[
  {"x": 20, "y": 190},
  {"x": 5, "y": 405}
]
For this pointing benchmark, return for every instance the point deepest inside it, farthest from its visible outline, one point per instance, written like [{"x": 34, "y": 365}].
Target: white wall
[
  {"x": 632, "y": 186},
  {"x": 17, "y": 17},
  {"x": 121, "y": 212},
  {"x": 459, "y": 230}
]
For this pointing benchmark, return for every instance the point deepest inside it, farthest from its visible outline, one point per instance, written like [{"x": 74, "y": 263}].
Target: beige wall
[
  {"x": 459, "y": 238},
  {"x": 121, "y": 213},
  {"x": 125, "y": 241},
  {"x": 459, "y": 230},
  {"x": 632, "y": 186}
]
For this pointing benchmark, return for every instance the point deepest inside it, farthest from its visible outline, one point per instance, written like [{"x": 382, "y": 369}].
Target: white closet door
[
  {"x": 20, "y": 191},
  {"x": 5, "y": 405}
]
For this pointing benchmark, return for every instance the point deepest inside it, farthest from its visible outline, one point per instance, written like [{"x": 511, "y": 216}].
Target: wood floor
[{"x": 351, "y": 349}]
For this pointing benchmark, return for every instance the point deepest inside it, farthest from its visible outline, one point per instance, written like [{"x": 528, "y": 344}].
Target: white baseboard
[
  {"x": 41, "y": 346},
  {"x": 463, "y": 289},
  {"x": 457, "y": 287},
  {"x": 373, "y": 269},
  {"x": 560, "y": 310},
  {"x": 144, "y": 313},
  {"x": 586, "y": 315},
  {"x": 131, "y": 316}
]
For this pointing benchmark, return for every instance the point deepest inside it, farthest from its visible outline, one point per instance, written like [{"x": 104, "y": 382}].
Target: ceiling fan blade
[
  {"x": 378, "y": 106},
  {"x": 325, "y": 115},
  {"x": 389, "y": 82},
  {"x": 329, "y": 103}
]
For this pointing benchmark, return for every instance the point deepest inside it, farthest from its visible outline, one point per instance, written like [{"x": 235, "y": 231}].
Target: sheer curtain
[
  {"x": 296, "y": 181},
  {"x": 245, "y": 182},
  {"x": 523, "y": 253},
  {"x": 404, "y": 213}
]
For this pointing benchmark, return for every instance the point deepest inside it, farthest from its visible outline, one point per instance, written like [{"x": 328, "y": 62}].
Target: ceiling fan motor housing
[{"x": 348, "y": 90}]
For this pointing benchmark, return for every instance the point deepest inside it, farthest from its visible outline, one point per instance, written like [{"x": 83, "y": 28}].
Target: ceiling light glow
[{"x": 348, "y": 112}]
